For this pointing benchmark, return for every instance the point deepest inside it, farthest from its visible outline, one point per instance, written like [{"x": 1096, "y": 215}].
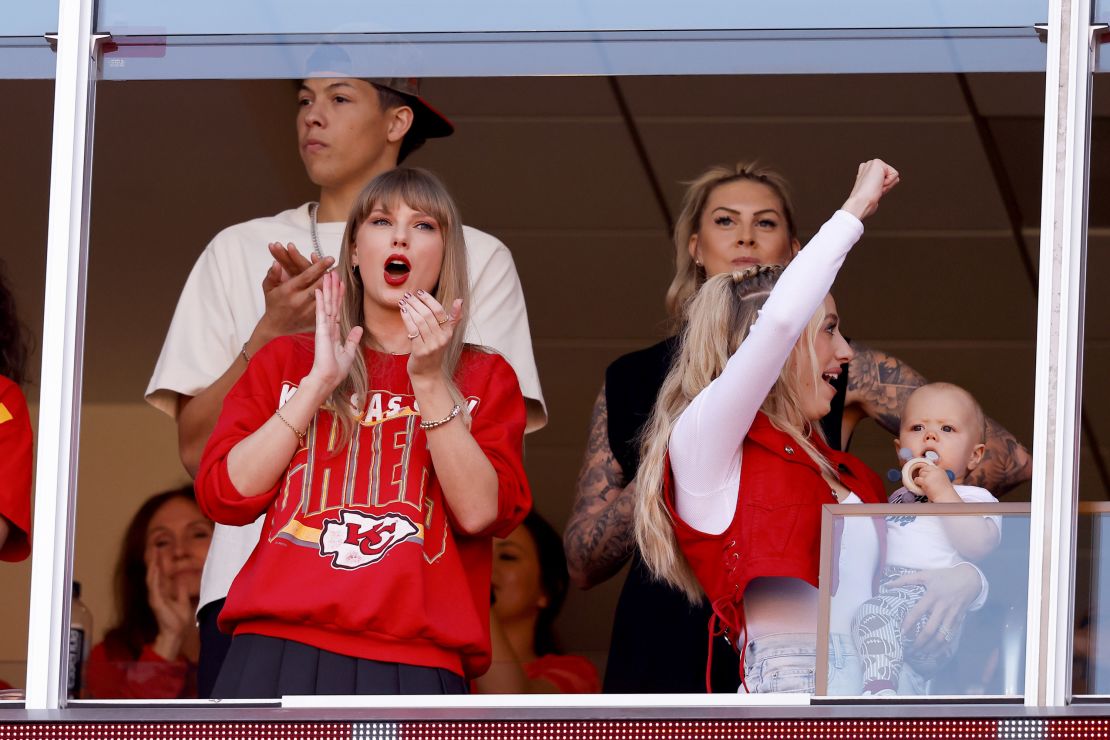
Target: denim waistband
[{"x": 841, "y": 646}]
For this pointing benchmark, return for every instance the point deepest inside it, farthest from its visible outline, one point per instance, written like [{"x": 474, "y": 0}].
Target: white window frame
[{"x": 1059, "y": 363}]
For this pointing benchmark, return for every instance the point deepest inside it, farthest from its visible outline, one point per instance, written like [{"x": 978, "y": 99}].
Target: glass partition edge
[
  {"x": 289, "y": 16},
  {"x": 139, "y": 57}
]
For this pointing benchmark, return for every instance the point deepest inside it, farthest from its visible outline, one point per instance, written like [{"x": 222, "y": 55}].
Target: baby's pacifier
[{"x": 911, "y": 466}]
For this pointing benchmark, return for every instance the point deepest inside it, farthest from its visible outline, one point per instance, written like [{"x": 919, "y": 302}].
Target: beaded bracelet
[
  {"x": 426, "y": 425},
  {"x": 300, "y": 435},
  {"x": 243, "y": 353}
]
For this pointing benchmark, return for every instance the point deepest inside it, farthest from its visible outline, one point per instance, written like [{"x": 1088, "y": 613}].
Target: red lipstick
[{"x": 396, "y": 270}]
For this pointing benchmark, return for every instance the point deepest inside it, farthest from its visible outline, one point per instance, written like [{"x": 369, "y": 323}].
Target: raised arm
[
  {"x": 599, "y": 538},
  {"x": 706, "y": 441},
  {"x": 878, "y": 386}
]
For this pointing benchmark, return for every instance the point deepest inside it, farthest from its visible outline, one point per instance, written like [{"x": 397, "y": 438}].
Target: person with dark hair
[
  {"x": 16, "y": 443},
  {"x": 528, "y": 588},
  {"x": 151, "y": 652},
  {"x": 242, "y": 293}
]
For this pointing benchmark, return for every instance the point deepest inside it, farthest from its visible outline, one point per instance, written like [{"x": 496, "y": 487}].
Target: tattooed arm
[
  {"x": 598, "y": 538},
  {"x": 878, "y": 386}
]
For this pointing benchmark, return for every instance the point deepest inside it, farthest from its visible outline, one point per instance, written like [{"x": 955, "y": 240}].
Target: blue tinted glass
[
  {"x": 574, "y": 53},
  {"x": 28, "y": 17},
  {"x": 24, "y": 52},
  {"x": 26, "y": 58},
  {"x": 871, "y": 647},
  {"x": 358, "y": 16},
  {"x": 1091, "y": 664}
]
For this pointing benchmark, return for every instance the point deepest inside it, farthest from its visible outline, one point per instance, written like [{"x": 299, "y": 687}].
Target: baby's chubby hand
[{"x": 933, "y": 481}]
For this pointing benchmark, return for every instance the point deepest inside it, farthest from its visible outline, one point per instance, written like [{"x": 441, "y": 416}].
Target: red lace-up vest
[{"x": 776, "y": 530}]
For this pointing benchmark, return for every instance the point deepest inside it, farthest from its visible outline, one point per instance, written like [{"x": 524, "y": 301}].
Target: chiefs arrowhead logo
[{"x": 357, "y": 539}]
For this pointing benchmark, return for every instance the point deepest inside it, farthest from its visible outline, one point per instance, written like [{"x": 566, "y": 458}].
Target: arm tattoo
[
  {"x": 599, "y": 538},
  {"x": 880, "y": 384},
  {"x": 1005, "y": 463}
]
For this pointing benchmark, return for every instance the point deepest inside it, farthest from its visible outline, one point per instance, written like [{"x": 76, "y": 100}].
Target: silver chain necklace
[{"x": 312, "y": 229}]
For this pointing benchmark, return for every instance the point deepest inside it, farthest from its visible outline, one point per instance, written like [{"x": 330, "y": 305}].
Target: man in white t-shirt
[{"x": 255, "y": 282}]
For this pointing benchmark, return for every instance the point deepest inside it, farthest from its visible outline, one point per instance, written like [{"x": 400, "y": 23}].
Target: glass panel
[
  {"x": 151, "y": 55},
  {"x": 882, "y": 641},
  {"x": 27, "y": 58},
  {"x": 29, "y": 18},
  {"x": 1091, "y": 669},
  {"x": 1091, "y": 663},
  {"x": 351, "y": 16},
  {"x": 24, "y": 52},
  {"x": 564, "y": 171},
  {"x": 24, "y": 197}
]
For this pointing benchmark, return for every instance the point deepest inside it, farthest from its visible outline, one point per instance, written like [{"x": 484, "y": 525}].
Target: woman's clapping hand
[
  {"x": 334, "y": 355},
  {"x": 430, "y": 328},
  {"x": 174, "y": 610}
]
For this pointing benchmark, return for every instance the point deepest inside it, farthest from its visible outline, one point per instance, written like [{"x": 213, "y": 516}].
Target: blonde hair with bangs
[
  {"x": 688, "y": 276},
  {"x": 719, "y": 317},
  {"x": 422, "y": 191}
]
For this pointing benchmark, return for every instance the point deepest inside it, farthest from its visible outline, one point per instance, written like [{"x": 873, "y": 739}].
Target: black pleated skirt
[{"x": 260, "y": 667}]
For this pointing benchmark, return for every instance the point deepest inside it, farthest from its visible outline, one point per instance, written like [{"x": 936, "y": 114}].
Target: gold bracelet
[
  {"x": 300, "y": 435},
  {"x": 243, "y": 353},
  {"x": 426, "y": 425}
]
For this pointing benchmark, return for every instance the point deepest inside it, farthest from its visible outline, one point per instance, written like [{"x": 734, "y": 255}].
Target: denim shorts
[{"x": 787, "y": 663}]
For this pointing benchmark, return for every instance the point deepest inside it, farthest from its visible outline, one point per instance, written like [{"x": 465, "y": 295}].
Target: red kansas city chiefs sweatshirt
[{"x": 358, "y": 554}]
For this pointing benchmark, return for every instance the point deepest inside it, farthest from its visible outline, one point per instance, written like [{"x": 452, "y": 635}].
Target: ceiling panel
[
  {"x": 1097, "y": 321},
  {"x": 807, "y": 96},
  {"x": 1091, "y": 485},
  {"x": 946, "y": 184},
  {"x": 594, "y": 285},
  {"x": 538, "y": 174},
  {"x": 1096, "y": 401},
  {"x": 463, "y": 99},
  {"x": 24, "y": 201},
  {"x": 1009, "y": 95},
  {"x": 929, "y": 288},
  {"x": 572, "y": 378}
]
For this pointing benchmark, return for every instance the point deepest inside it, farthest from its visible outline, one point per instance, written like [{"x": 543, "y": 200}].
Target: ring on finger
[
  {"x": 946, "y": 634},
  {"x": 414, "y": 336},
  {"x": 443, "y": 321}
]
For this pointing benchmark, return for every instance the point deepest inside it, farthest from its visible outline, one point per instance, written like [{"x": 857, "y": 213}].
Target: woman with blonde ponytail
[
  {"x": 735, "y": 468},
  {"x": 385, "y": 454},
  {"x": 732, "y": 217}
]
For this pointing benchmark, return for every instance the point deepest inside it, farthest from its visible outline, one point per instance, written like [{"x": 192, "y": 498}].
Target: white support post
[
  {"x": 1059, "y": 384},
  {"x": 62, "y": 350}
]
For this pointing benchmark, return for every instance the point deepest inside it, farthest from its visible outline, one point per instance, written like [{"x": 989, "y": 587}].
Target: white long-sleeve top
[{"x": 707, "y": 439}]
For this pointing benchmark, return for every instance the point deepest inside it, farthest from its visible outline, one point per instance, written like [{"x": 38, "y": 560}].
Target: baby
[{"x": 943, "y": 423}]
